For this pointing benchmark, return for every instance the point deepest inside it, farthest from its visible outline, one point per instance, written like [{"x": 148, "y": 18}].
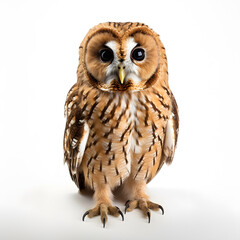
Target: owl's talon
[
  {"x": 161, "y": 209},
  {"x": 127, "y": 205},
  {"x": 149, "y": 216},
  {"x": 120, "y": 212},
  {"x": 84, "y": 215},
  {"x": 104, "y": 222}
]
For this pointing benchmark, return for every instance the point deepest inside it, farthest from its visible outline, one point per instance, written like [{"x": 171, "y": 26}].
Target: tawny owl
[{"x": 122, "y": 118}]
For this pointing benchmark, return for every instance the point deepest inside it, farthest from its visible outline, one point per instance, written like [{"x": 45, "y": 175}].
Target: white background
[{"x": 39, "y": 43}]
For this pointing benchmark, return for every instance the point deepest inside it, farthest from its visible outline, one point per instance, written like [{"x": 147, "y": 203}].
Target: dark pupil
[
  {"x": 106, "y": 55},
  {"x": 138, "y": 54}
]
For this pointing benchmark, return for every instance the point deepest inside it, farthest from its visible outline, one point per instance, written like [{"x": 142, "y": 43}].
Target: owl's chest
[
  {"x": 124, "y": 136},
  {"x": 123, "y": 124}
]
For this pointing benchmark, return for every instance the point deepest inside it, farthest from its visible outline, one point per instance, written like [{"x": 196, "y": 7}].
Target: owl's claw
[
  {"x": 120, "y": 212},
  {"x": 161, "y": 209},
  {"x": 149, "y": 216},
  {"x": 127, "y": 205},
  {"x": 144, "y": 205},
  {"x": 103, "y": 210},
  {"x": 84, "y": 215},
  {"x": 104, "y": 222}
]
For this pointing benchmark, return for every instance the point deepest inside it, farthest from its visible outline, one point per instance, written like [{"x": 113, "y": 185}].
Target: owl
[{"x": 121, "y": 117}]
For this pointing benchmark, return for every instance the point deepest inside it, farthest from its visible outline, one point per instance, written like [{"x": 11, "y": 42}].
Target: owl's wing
[
  {"x": 171, "y": 136},
  {"x": 75, "y": 135}
]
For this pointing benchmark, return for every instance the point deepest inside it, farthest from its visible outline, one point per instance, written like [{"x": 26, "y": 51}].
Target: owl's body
[{"x": 122, "y": 119}]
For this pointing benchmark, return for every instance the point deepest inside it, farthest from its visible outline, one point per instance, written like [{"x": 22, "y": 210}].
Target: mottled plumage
[{"x": 122, "y": 118}]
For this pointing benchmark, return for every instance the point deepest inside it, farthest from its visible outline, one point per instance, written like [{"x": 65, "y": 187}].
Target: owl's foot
[
  {"x": 103, "y": 210},
  {"x": 144, "y": 205}
]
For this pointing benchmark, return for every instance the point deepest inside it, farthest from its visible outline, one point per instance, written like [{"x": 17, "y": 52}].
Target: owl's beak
[{"x": 121, "y": 73}]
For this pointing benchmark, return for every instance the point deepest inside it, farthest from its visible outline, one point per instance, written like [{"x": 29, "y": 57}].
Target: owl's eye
[
  {"x": 106, "y": 55},
  {"x": 138, "y": 54}
]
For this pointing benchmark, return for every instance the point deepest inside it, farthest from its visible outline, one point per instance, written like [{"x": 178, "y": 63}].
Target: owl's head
[{"x": 122, "y": 57}]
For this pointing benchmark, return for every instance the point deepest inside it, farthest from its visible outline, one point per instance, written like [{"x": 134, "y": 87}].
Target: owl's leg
[
  {"x": 135, "y": 190},
  {"x": 104, "y": 205}
]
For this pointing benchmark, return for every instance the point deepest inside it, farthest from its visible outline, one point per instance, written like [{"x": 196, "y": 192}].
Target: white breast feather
[
  {"x": 170, "y": 137},
  {"x": 82, "y": 145}
]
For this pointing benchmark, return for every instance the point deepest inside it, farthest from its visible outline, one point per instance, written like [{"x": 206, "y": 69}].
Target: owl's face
[{"x": 122, "y": 58}]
